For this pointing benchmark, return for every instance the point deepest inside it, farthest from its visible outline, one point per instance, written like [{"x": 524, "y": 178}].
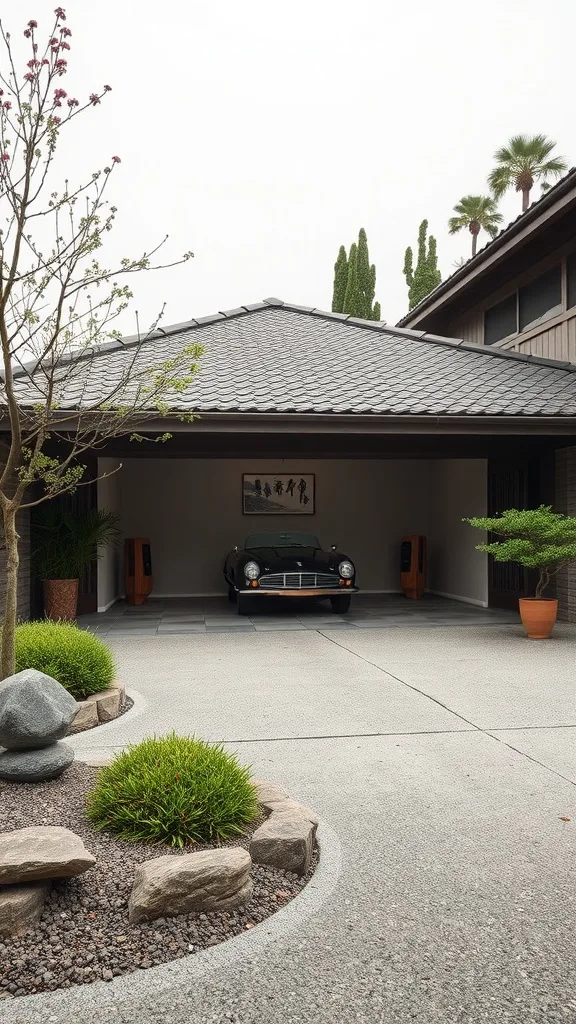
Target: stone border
[
  {"x": 97, "y": 1001},
  {"x": 98, "y": 708}
]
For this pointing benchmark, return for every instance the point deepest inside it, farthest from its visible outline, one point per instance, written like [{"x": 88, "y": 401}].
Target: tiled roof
[
  {"x": 276, "y": 358},
  {"x": 524, "y": 219}
]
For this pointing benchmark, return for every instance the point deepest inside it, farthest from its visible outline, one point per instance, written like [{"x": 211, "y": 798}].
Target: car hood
[{"x": 290, "y": 559}]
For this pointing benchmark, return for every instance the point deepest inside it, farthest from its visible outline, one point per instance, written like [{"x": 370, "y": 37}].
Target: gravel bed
[{"x": 84, "y": 935}]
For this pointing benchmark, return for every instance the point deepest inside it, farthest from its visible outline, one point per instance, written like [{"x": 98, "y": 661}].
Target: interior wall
[
  {"x": 458, "y": 488},
  {"x": 110, "y": 586},
  {"x": 191, "y": 511}
]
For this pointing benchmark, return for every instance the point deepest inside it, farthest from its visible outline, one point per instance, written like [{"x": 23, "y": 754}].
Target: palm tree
[
  {"x": 477, "y": 213},
  {"x": 523, "y": 161}
]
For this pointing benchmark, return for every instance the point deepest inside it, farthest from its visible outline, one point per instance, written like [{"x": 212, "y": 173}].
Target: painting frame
[{"x": 278, "y": 494}]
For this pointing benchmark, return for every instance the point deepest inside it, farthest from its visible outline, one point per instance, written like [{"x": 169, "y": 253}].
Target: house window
[
  {"x": 571, "y": 281},
  {"x": 540, "y": 299},
  {"x": 501, "y": 320}
]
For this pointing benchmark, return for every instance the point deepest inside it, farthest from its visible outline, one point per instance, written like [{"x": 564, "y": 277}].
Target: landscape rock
[
  {"x": 108, "y": 703},
  {"x": 21, "y": 907},
  {"x": 86, "y": 716},
  {"x": 285, "y": 840},
  {"x": 281, "y": 806},
  {"x": 203, "y": 881},
  {"x": 35, "y": 765},
  {"x": 35, "y": 710},
  {"x": 269, "y": 791},
  {"x": 42, "y": 851}
]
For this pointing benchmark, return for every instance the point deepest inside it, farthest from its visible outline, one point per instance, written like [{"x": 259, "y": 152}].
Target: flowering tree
[{"x": 58, "y": 301}]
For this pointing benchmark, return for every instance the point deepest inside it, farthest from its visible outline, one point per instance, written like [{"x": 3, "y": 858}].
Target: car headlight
[
  {"x": 346, "y": 570},
  {"x": 252, "y": 570}
]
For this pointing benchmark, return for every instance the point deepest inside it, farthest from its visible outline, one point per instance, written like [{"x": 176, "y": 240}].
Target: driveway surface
[{"x": 443, "y": 763}]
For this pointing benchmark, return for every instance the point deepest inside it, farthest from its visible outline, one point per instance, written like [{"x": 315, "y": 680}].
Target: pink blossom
[
  {"x": 33, "y": 64},
  {"x": 29, "y": 77},
  {"x": 72, "y": 102},
  {"x": 60, "y": 94},
  {"x": 57, "y": 103},
  {"x": 5, "y": 156},
  {"x": 27, "y": 33},
  {"x": 65, "y": 32},
  {"x": 94, "y": 99},
  {"x": 55, "y": 119},
  {"x": 116, "y": 160},
  {"x": 45, "y": 61},
  {"x": 7, "y": 105},
  {"x": 32, "y": 24},
  {"x": 1, "y": 92},
  {"x": 54, "y": 41},
  {"x": 61, "y": 66},
  {"x": 60, "y": 13},
  {"x": 107, "y": 88},
  {"x": 64, "y": 46}
]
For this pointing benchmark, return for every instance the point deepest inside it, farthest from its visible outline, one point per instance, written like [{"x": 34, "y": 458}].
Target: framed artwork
[{"x": 278, "y": 494}]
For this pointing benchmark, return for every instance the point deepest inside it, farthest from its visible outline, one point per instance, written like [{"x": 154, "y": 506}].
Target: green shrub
[
  {"x": 173, "y": 789},
  {"x": 77, "y": 659}
]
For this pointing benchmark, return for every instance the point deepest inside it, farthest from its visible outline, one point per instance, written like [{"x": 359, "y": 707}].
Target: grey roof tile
[{"x": 273, "y": 357}]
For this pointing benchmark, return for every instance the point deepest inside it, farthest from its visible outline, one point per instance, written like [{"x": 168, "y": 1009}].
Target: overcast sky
[{"x": 262, "y": 135}]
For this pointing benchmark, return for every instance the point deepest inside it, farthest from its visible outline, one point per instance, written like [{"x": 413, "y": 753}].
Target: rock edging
[{"x": 99, "y": 708}]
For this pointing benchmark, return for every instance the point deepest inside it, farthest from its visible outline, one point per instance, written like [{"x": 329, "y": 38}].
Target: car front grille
[{"x": 298, "y": 581}]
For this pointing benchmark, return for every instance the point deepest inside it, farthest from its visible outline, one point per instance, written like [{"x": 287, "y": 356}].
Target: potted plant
[
  {"x": 538, "y": 539},
  {"x": 63, "y": 545}
]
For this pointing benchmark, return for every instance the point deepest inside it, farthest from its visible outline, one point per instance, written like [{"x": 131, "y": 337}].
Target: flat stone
[
  {"x": 281, "y": 806},
  {"x": 203, "y": 881},
  {"x": 42, "y": 851},
  {"x": 108, "y": 703},
  {"x": 36, "y": 765},
  {"x": 269, "y": 791},
  {"x": 86, "y": 716},
  {"x": 284, "y": 841},
  {"x": 35, "y": 710},
  {"x": 119, "y": 685},
  {"x": 21, "y": 907}
]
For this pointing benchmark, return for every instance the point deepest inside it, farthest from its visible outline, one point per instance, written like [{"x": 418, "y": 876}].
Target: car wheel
[
  {"x": 232, "y": 594},
  {"x": 243, "y": 605},
  {"x": 340, "y": 604}
]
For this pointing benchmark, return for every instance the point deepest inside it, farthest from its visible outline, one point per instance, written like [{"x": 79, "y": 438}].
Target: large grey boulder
[
  {"x": 21, "y": 907},
  {"x": 35, "y": 765},
  {"x": 35, "y": 710},
  {"x": 42, "y": 851},
  {"x": 207, "y": 880},
  {"x": 285, "y": 841}
]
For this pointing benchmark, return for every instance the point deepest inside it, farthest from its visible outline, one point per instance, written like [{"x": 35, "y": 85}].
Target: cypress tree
[
  {"x": 358, "y": 298},
  {"x": 426, "y": 276},
  {"x": 340, "y": 281},
  {"x": 351, "y": 297}
]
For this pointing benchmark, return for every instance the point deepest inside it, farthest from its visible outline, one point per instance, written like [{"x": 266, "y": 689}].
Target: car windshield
[{"x": 281, "y": 540}]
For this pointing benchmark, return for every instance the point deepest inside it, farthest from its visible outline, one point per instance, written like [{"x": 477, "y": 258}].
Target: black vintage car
[{"x": 288, "y": 565}]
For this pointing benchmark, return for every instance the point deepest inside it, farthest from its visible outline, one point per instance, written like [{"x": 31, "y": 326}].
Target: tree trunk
[
  {"x": 525, "y": 199},
  {"x": 474, "y": 243},
  {"x": 7, "y": 657},
  {"x": 543, "y": 582}
]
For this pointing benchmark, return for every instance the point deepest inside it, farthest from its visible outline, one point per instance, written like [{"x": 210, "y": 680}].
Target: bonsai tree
[{"x": 537, "y": 538}]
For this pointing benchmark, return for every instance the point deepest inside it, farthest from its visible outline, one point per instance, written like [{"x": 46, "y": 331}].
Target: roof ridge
[{"x": 240, "y": 311}]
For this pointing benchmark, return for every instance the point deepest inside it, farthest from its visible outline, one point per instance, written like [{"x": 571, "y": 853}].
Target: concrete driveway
[{"x": 443, "y": 762}]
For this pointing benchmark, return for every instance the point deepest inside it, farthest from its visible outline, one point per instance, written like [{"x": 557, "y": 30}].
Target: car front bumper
[{"x": 300, "y": 592}]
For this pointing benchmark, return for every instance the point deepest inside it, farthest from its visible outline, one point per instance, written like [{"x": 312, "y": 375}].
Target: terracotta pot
[
  {"x": 61, "y": 599},
  {"x": 538, "y": 616}
]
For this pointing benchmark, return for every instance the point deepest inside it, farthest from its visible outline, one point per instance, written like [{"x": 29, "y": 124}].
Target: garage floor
[{"x": 218, "y": 615}]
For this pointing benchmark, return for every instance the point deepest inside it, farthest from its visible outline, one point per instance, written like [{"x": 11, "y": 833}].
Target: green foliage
[
  {"x": 351, "y": 302},
  {"x": 79, "y": 660},
  {"x": 340, "y": 281},
  {"x": 536, "y": 538},
  {"x": 64, "y": 543},
  {"x": 173, "y": 789},
  {"x": 476, "y": 213},
  {"x": 426, "y": 276},
  {"x": 355, "y": 282},
  {"x": 522, "y": 161}
]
